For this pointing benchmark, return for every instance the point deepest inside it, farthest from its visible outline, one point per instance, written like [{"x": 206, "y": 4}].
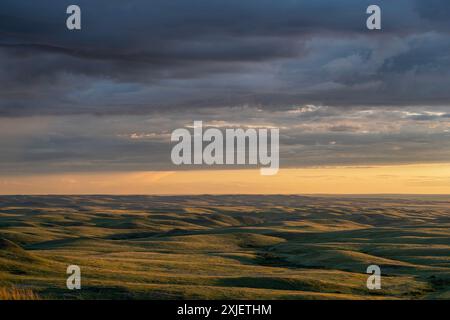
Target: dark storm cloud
[
  {"x": 107, "y": 97},
  {"x": 140, "y": 56}
]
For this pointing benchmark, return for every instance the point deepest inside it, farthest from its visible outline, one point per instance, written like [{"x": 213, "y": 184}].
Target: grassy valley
[{"x": 224, "y": 247}]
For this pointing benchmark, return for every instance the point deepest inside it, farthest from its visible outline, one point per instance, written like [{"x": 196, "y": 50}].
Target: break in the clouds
[
  {"x": 310, "y": 136},
  {"x": 108, "y": 96}
]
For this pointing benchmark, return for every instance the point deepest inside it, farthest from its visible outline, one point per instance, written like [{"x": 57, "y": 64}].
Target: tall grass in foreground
[{"x": 14, "y": 293}]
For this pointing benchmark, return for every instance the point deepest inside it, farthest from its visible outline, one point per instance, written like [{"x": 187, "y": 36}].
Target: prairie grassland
[
  {"x": 17, "y": 294},
  {"x": 224, "y": 247}
]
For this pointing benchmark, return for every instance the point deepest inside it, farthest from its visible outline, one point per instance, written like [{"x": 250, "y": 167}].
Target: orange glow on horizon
[{"x": 391, "y": 179}]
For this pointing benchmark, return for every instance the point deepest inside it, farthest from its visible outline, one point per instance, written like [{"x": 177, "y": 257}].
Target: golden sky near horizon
[{"x": 398, "y": 179}]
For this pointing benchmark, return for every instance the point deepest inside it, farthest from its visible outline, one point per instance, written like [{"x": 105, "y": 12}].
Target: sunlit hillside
[{"x": 225, "y": 247}]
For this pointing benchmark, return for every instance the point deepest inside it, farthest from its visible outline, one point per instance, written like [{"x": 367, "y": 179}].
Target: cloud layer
[
  {"x": 141, "y": 56},
  {"x": 310, "y": 136},
  {"x": 108, "y": 96}
]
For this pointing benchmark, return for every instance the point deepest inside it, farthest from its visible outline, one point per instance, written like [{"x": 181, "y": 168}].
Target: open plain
[{"x": 226, "y": 247}]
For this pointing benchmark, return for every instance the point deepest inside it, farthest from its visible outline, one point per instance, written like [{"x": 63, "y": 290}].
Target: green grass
[{"x": 225, "y": 247}]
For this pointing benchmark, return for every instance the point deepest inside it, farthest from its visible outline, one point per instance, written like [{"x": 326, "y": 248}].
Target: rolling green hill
[{"x": 226, "y": 247}]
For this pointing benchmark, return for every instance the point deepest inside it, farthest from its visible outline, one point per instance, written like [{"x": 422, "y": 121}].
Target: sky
[{"x": 99, "y": 104}]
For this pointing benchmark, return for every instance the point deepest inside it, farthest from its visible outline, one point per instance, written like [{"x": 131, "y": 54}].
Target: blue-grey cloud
[
  {"x": 141, "y": 56},
  {"x": 309, "y": 136},
  {"x": 108, "y": 96}
]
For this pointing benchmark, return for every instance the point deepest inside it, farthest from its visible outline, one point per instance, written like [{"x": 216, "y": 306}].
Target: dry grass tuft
[{"x": 17, "y": 294}]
